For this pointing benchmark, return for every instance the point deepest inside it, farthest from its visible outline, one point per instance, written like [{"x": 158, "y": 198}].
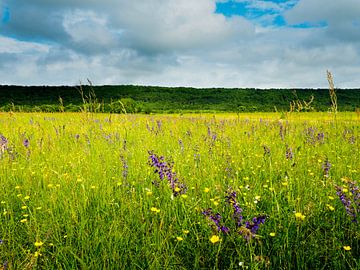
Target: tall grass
[{"x": 80, "y": 191}]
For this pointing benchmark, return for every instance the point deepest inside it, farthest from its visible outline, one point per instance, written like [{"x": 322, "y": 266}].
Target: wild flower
[
  {"x": 155, "y": 210},
  {"x": 179, "y": 238},
  {"x": 181, "y": 144},
  {"x": 214, "y": 239},
  {"x": 165, "y": 171},
  {"x": 350, "y": 198},
  {"x": 3, "y": 144},
  {"x": 289, "y": 153},
  {"x": 159, "y": 124},
  {"x": 282, "y": 131},
  {"x": 347, "y": 248},
  {"x": 125, "y": 167},
  {"x": 348, "y": 136},
  {"x": 299, "y": 216},
  {"x": 248, "y": 229},
  {"x": 26, "y": 143},
  {"x": 38, "y": 243},
  {"x": 253, "y": 225},
  {"x": 231, "y": 200},
  {"x": 320, "y": 137},
  {"x": 216, "y": 218},
  {"x": 267, "y": 150},
  {"x": 313, "y": 137},
  {"x": 326, "y": 168}
]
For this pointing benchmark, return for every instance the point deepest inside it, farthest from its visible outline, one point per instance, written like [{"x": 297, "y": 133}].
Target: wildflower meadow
[{"x": 224, "y": 191}]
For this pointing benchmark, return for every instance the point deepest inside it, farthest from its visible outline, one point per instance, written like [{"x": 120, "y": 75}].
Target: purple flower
[
  {"x": 231, "y": 200},
  {"x": 181, "y": 144},
  {"x": 125, "y": 167},
  {"x": 282, "y": 131},
  {"x": 3, "y": 140},
  {"x": 320, "y": 137},
  {"x": 26, "y": 143},
  {"x": 216, "y": 218},
  {"x": 3, "y": 144},
  {"x": 326, "y": 167},
  {"x": 159, "y": 124},
  {"x": 5, "y": 265},
  {"x": 165, "y": 171},
  {"x": 289, "y": 153},
  {"x": 351, "y": 199}
]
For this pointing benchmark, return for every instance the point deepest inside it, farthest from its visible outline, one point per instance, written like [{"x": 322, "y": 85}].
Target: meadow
[{"x": 191, "y": 191}]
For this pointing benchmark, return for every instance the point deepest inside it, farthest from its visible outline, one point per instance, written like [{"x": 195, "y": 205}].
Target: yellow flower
[
  {"x": 37, "y": 254},
  {"x": 206, "y": 190},
  {"x": 177, "y": 189},
  {"x": 331, "y": 208},
  {"x": 23, "y": 207},
  {"x": 257, "y": 198},
  {"x": 214, "y": 239},
  {"x": 300, "y": 216},
  {"x": 216, "y": 203},
  {"x": 272, "y": 234},
  {"x": 186, "y": 231},
  {"x": 347, "y": 248},
  {"x": 179, "y": 238},
  {"x": 155, "y": 210},
  {"x": 26, "y": 197},
  {"x": 331, "y": 198},
  {"x": 23, "y": 220},
  {"x": 149, "y": 193},
  {"x": 38, "y": 244},
  {"x": 184, "y": 196}
]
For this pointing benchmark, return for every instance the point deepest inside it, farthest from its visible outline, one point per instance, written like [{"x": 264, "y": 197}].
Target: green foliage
[{"x": 149, "y": 99}]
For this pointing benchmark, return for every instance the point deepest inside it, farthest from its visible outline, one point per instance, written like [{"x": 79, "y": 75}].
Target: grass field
[{"x": 224, "y": 191}]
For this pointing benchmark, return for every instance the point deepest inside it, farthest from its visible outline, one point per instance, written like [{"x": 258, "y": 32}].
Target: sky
[{"x": 197, "y": 43}]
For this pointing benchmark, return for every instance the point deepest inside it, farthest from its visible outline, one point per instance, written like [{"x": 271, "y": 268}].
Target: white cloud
[{"x": 177, "y": 42}]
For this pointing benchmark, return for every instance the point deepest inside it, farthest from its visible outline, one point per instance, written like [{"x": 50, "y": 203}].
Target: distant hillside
[{"x": 147, "y": 99}]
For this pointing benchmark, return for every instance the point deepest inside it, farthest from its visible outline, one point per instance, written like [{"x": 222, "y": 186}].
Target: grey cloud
[
  {"x": 7, "y": 60},
  {"x": 175, "y": 43},
  {"x": 341, "y": 17}
]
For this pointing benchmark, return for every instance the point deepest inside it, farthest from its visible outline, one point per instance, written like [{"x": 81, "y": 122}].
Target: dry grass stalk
[{"x": 332, "y": 93}]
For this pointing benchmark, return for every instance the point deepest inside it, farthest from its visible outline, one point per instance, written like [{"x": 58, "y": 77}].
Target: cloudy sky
[{"x": 199, "y": 43}]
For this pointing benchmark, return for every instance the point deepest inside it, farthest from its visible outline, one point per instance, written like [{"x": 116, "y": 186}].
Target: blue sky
[
  {"x": 202, "y": 43},
  {"x": 257, "y": 14},
  {"x": 5, "y": 15},
  {"x": 266, "y": 13}
]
